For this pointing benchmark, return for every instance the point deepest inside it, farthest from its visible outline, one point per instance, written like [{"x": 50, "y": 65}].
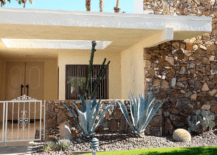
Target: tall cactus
[{"x": 102, "y": 73}]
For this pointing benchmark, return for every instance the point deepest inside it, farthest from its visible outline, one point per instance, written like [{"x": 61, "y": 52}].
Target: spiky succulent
[
  {"x": 207, "y": 120},
  {"x": 63, "y": 144},
  {"x": 50, "y": 145},
  {"x": 88, "y": 115},
  {"x": 141, "y": 113}
]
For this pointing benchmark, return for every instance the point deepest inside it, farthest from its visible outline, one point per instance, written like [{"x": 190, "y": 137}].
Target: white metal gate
[{"x": 18, "y": 120}]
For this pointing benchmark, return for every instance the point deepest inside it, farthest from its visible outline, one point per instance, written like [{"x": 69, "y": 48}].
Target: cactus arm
[
  {"x": 210, "y": 118},
  {"x": 101, "y": 116},
  {"x": 204, "y": 113},
  {"x": 198, "y": 112},
  {"x": 99, "y": 79},
  {"x": 211, "y": 125},
  {"x": 90, "y": 67},
  {"x": 208, "y": 112},
  {"x": 74, "y": 115}
]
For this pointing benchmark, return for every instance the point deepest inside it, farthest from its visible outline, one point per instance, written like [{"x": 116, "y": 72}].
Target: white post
[{"x": 138, "y": 6}]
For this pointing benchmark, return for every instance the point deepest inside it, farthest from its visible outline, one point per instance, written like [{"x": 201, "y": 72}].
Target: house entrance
[
  {"x": 23, "y": 116},
  {"x": 24, "y": 78}
]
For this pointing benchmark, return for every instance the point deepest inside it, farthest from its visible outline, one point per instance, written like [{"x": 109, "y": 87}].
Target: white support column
[{"x": 138, "y": 6}]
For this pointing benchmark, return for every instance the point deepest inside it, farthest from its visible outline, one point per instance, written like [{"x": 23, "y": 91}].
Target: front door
[{"x": 24, "y": 78}]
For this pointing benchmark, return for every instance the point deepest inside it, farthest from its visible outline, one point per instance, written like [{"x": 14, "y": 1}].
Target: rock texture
[{"x": 189, "y": 66}]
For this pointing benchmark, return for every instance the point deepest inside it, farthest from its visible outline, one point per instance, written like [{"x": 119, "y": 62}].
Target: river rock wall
[{"x": 183, "y": 73}]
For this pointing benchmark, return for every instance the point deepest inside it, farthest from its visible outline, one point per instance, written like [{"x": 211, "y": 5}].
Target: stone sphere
[{"x": 181, "y": 135}]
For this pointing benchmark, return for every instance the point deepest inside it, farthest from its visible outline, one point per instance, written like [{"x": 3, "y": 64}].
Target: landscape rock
[
  {"x": 205, "y": 87},
  {"x": 65, "y": 131},
  {"x": 213, "y": 92},
  {"x": 206, "y": 107},
  {"x": 193, "y": 96},
  {"x": 165, "y": 84}
]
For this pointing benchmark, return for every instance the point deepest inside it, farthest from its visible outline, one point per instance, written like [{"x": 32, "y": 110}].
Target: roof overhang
[{"x": 122, "y": 30}]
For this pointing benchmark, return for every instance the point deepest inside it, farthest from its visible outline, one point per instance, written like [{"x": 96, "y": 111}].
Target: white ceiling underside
[{"x": 53, "y": 44}]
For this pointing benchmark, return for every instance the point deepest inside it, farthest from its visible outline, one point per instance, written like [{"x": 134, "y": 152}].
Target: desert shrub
[{"x": 50, "y": 145}]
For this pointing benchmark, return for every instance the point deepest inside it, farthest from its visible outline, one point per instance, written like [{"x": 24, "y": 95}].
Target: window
[{"x": 81, "y": 71}]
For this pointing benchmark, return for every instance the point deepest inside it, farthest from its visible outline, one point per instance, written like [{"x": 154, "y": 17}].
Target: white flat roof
[
  {"x": 103, "y": 19},
  {"x": 33, "y": 30}
]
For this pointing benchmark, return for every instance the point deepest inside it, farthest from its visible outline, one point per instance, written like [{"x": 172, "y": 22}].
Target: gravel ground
[{"x": 117, "y": 141}]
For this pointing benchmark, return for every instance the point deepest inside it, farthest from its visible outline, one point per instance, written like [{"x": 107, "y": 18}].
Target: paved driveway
[{"x": 16, "y": 148}]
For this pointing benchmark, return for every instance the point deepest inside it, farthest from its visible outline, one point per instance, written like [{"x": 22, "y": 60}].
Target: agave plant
[
  {"x": 141, "y": 113},
  {"x": 195, "y": 123},
  {"x": 88, "y": 115},
  {"x": 207, "y": 120}
]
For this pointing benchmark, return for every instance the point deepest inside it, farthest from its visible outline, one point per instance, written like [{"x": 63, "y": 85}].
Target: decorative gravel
[{"x": 118, "y": 141}]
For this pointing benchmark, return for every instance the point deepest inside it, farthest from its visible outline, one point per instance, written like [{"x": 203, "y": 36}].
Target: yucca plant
[
  {"x": 88, "y": 115},
  {"x": 141, "y": 113}
]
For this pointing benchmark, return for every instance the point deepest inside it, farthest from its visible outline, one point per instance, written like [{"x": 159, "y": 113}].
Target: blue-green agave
[
  {"x": 88, "y": 115},
  {"x": 141, "y": 113}
]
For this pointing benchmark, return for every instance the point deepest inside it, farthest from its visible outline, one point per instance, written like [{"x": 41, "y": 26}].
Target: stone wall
[
  {"x": 113, "y": 121},
  {"x": 183, "y": 73}
]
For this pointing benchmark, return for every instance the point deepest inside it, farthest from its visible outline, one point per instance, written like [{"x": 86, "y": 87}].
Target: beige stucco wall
[
  {"x": 83, "y": 57},
  {"x": 132, "y": 70}
]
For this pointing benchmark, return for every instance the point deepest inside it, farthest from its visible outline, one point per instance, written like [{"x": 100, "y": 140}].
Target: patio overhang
[{"x": 116, "y": 32}]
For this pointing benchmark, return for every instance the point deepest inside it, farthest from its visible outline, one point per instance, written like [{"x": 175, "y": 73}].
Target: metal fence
[{"x": 21, "y": 118}]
